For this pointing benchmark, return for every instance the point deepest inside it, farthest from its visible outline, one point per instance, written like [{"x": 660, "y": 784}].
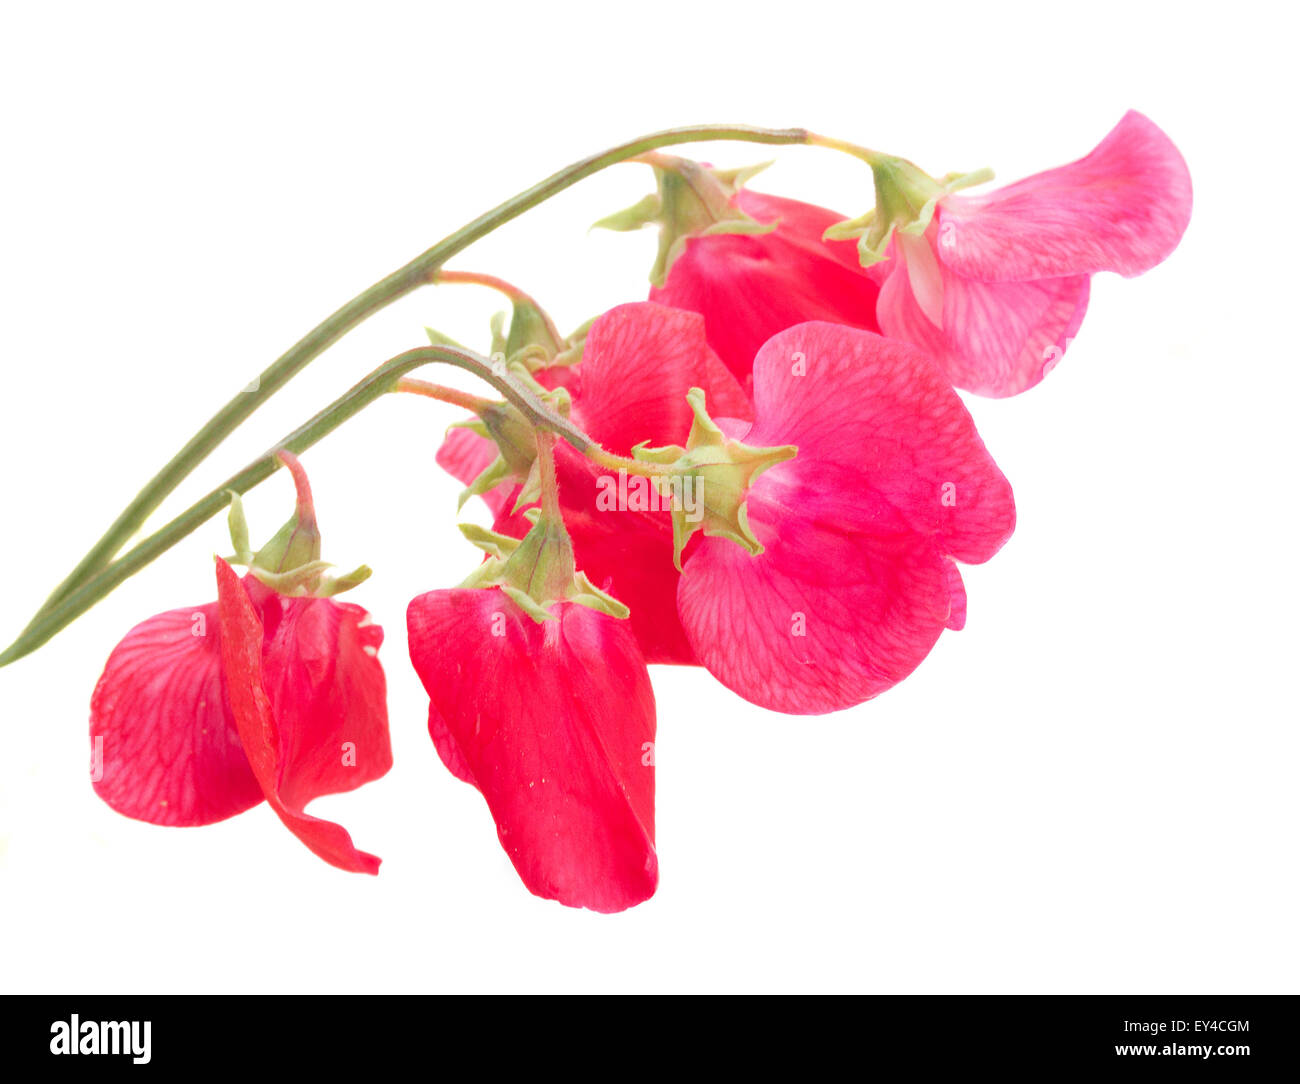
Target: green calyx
[
  {"x": 710, "y": 480},
  {"x": 529, "y": 341},
  {"x": 516, "y": 441},
  {"x": 538, "y": 570},
  {"x": 906, "y": 198},
  {"x": 692, "y": 201},
  {"x": 290, "y": 562}
]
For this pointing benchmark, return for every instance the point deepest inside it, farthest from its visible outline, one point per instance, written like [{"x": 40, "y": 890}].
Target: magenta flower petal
[
  {"x": 321, "y": 672},
  {"x": 554, "y": 723},
  {"x": 639, "y": 362},
  {"x": 749, "y": 287},
  {"x": 1123, "y": 207},
  {"x": 288, "y": 773},
  {"x": 162, "y": 733},
  {"x": 854, "y": 584}
]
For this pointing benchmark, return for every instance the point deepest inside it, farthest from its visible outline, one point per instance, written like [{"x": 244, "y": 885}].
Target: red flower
[
  {"x": 750, "y": 286},
  {"x": 858, "y": 532},
  {"x": 639, "y": 362},
  {"x": 203, "y": 712},
  {"x": 554, "y": 723}
]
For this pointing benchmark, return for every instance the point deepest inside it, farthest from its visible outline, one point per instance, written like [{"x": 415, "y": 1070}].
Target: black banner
[{"x": 152, "y": 1034}]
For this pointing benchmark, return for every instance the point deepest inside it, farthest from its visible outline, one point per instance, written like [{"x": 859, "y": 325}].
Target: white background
[{"x": 1091, "y": 788}]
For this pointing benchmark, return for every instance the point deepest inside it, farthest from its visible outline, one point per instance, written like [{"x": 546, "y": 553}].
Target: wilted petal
[{"x": 266, "y": 736}]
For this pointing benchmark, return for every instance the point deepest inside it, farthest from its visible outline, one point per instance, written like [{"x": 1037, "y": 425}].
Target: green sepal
[
  {"x": 906, "y": 199},
  {"x": 645, "y": 212},
  {"x": 692, "y": 201},
  {"x": 528, "y": 604},
  {"x": 290, "y": 562},
  {"x": 239, "y": 531},
  {"x": 493, "y": 543},
  {"x": 437, "y": 338},
  {"x": 714, "y": 464},
  {"x": 538, "y": 570},
  {"x": 302, "y": 580}
]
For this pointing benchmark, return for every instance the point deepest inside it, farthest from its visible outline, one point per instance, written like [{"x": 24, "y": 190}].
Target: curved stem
[
  {"x": 396, "y": 285},
  {"x": 463, "y": 399},
  {"x": 382, "y": 380},
  {"x": 476, "y": 278}
]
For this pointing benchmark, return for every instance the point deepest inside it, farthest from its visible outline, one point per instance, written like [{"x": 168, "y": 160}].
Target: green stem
[
  {"x": 381, "y": 381},
  {"x": 401, "y": 282}
]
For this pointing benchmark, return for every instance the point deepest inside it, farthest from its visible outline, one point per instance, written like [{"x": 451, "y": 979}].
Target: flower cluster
[{"x": 763, "y": 469}]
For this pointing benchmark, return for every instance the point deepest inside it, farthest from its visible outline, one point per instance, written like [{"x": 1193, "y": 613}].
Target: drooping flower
[
  {"x": 630, "y": 387},
  {"x": 823, "y": 571},
  {"x": 203, "y": 712},
  {"x": 751, "y": 264},
  {"x": 554, "y": 723},
  {"x": 995, "y": 286},
  {"x": 540, "y": 698}
]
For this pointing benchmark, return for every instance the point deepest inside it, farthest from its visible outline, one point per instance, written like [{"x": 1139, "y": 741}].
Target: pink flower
[
  {"x": 204, "y": 712},
  {"x": 554, "y": 723},
  {"x": 750, "y": 286},
  {"x": 858, "y": 532},
  {"x": 997, "y": 285},
  {"x": 639, "y": 362}
]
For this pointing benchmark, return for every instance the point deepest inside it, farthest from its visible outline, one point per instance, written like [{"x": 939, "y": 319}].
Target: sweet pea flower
[
  {"x": 205, "y": 711},
  {"x": 751, "y": 264},
  {"x": 825, "y": 571},
  {"x": 638, "y": 363},
  {"x": 554, "y": 723},
  {"x": 995, "y": 286},
  {"x": 750, "y": 286}
]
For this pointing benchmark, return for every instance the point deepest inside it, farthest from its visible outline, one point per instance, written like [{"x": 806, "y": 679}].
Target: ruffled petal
[
  {"x": 321, "y": 671},
  {"x": 639, "y": 362},
  {"x": 555, "y": 725},
  {"x": 882, "y": 438},
  {"x": 163, "y": 739},
  {"x": 998, "y": 338},
  {"x": 749, "y": 287},
  {"x": 854, "y": 584},
  {"x": 263, "y": 737},
  {"x": 822, "y": 619},
  {"x": 1124, "y": 208}
]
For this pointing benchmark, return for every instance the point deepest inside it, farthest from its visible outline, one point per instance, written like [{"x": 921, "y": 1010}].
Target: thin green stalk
[
  {"x": 382, "y": 380},
  {"x": 401, "y": 282}
]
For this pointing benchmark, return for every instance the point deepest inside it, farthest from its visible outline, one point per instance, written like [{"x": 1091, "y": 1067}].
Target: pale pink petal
[
  {"x": 1122, "y": 208},
  {"x": 997, "y": 339}
]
